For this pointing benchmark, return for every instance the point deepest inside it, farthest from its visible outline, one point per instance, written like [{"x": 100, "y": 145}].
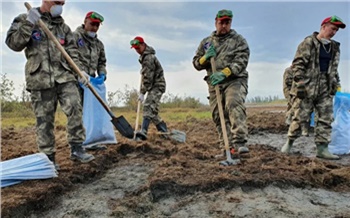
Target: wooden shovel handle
[
  {"x": 138, "y": 109},
  {"x": 221, "y": 112},
  {"x": 70, "y": 61}
]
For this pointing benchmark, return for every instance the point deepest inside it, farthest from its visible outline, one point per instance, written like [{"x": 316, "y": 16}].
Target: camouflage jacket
[
  {"x": 45, "y": 63},
  {"x": 306, "y": 66},
  {"x": 91, "y": 52},
  {"x": 232, "y": 51},
  {"x": 287, "y": 82},
  {"x": 152, "y": 72}
]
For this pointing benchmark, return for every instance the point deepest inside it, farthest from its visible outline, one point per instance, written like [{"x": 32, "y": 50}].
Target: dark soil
[{"x": 137, "y": 178}]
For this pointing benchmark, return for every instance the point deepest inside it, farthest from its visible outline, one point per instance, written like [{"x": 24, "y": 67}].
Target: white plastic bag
[
  {"x": 96, "y": 120},
  {"x": 340, "y": 138}
]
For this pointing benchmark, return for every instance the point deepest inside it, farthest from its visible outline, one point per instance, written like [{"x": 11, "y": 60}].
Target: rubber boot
[
  {"x": 243, "y": 149},
  {"x": 323, "y": 152},
  {"x": 52, "y": 159},
  {"x": 144, "y": 129},
  {"x": 161, "y": 127},
  {"x": 286, "y": 147},
  {"x": 78, "y": 153}
]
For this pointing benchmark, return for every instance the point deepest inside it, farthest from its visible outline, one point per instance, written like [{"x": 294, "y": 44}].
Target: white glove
[
  {"x": 33, "y": 15},
  {"x": 85, "y": 79},
  {"x": 141, "y": 97}
]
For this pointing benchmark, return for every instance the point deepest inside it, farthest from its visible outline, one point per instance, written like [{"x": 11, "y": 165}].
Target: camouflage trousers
[
  {"x": 45, "y": 103},
  {"x": 151, "y": 106},
  {"x": 233, "y": 98},
  {"x": 322, "y": 104}
]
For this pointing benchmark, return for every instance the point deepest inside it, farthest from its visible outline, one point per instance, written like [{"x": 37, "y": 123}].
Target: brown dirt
[{"x": 173, "y": 169}]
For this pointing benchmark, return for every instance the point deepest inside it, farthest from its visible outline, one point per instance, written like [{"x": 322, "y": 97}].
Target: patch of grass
[{"x": 167, "y": 114}]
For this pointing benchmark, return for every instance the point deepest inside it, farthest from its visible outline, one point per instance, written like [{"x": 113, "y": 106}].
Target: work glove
[
  {"x": 33, "y": 15},
  {"x": 85, "y": 79},
  {"x": 208, "y": 54},
  {"x": 141, "y": 97},
  {"x": 218, "y": 77},
  {"x": 301, "y": 90},
  {"x": 100, "y": 79}
]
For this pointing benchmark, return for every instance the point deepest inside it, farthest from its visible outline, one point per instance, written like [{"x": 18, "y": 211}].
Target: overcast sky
[{"x": 273, "y": 30}]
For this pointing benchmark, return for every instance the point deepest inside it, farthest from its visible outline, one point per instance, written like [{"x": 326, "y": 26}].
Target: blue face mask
[
  {"x": 56, "y": 10},
  {"x": 91, "y": 34}
]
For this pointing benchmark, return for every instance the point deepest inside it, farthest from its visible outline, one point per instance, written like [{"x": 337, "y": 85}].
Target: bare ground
[{"x": 162, "y": 178}]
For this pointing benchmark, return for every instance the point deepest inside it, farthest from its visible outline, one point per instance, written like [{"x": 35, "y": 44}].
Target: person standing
[
  {"x": 315, "y": 83},
  {"x": 49, "y": 78},
  {"x": 92, "y": 57},
  {"x": 287, "y": 85},
  {"x": 231, "y": 53},
  {"x": 153, "y": 83}
]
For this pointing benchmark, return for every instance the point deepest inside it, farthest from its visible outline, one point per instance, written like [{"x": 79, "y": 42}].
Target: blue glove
[
  {"x": 99, "y": 80},
  {"x": 217, "y": 78}
]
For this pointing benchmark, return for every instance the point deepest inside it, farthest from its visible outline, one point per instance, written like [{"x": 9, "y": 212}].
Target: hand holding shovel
[{"x": 229, "y": 161}]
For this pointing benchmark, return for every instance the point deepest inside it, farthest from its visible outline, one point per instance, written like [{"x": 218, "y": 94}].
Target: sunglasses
[
  {"x": 336, "y": 19},
  {"x": 96, "y": 15},
  {"x": 224, "y": 13}
]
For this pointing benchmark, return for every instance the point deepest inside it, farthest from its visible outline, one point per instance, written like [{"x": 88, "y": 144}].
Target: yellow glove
[
  {"x": 208, "y": 54},
  {"x": 338, "y": 89},
  {"x": 226, "y": 71}
]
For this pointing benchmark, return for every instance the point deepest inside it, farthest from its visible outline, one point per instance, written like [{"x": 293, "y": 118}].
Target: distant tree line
[
  {"x": 259, "y": 99},
  {"x": 126, "y": 98}
]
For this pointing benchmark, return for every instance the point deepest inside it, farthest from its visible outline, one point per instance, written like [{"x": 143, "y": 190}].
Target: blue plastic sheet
[
  {"x": 34, "y": 166},
  {"x": 96, "y": 120},
  {"x": 340, "y": 138}
]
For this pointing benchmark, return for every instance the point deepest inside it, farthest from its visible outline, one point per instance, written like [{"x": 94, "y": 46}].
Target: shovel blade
[{"x": 123, "y": 127}]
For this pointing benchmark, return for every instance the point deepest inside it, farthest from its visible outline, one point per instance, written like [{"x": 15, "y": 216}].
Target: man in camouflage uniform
[
  {"x": 315, "y": 83},
  {"x": 231, "y": 53},
  {"x": 153, "y": 83},
  {"x": 91, "y": 54},
  {"x": 49, "y": 78},
  {"x": 287, "y": 85}
]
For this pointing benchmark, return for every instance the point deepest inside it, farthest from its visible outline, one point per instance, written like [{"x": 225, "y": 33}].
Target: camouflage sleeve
[
  {"x": 19, "y": 33},
  {"x": 287, "y": 81},
  {"x": 241, "y": 56},
  {"x": 71, "y": 46},
  {"x": 302, "y": 59},
  {"x": 199, "y": 53},
  {"x": 102, "y": 61},
  {"x": 147, "y": 71}
]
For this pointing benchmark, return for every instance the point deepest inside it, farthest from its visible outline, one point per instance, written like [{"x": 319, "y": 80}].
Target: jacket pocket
[{"x": 32, "y": 67}]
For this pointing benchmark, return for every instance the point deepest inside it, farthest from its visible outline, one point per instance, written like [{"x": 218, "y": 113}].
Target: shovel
[
  {"x": 229, "y": 161},
  {"x": 120, "y": 123}
]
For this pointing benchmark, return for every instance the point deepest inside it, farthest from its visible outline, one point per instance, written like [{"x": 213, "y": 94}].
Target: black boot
[
  {"x": 144, "y": 129},
  {"x": 52, "y": 159},
  {"x": 78, "y": 153},
  {"x": 161, "y": 127}
]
